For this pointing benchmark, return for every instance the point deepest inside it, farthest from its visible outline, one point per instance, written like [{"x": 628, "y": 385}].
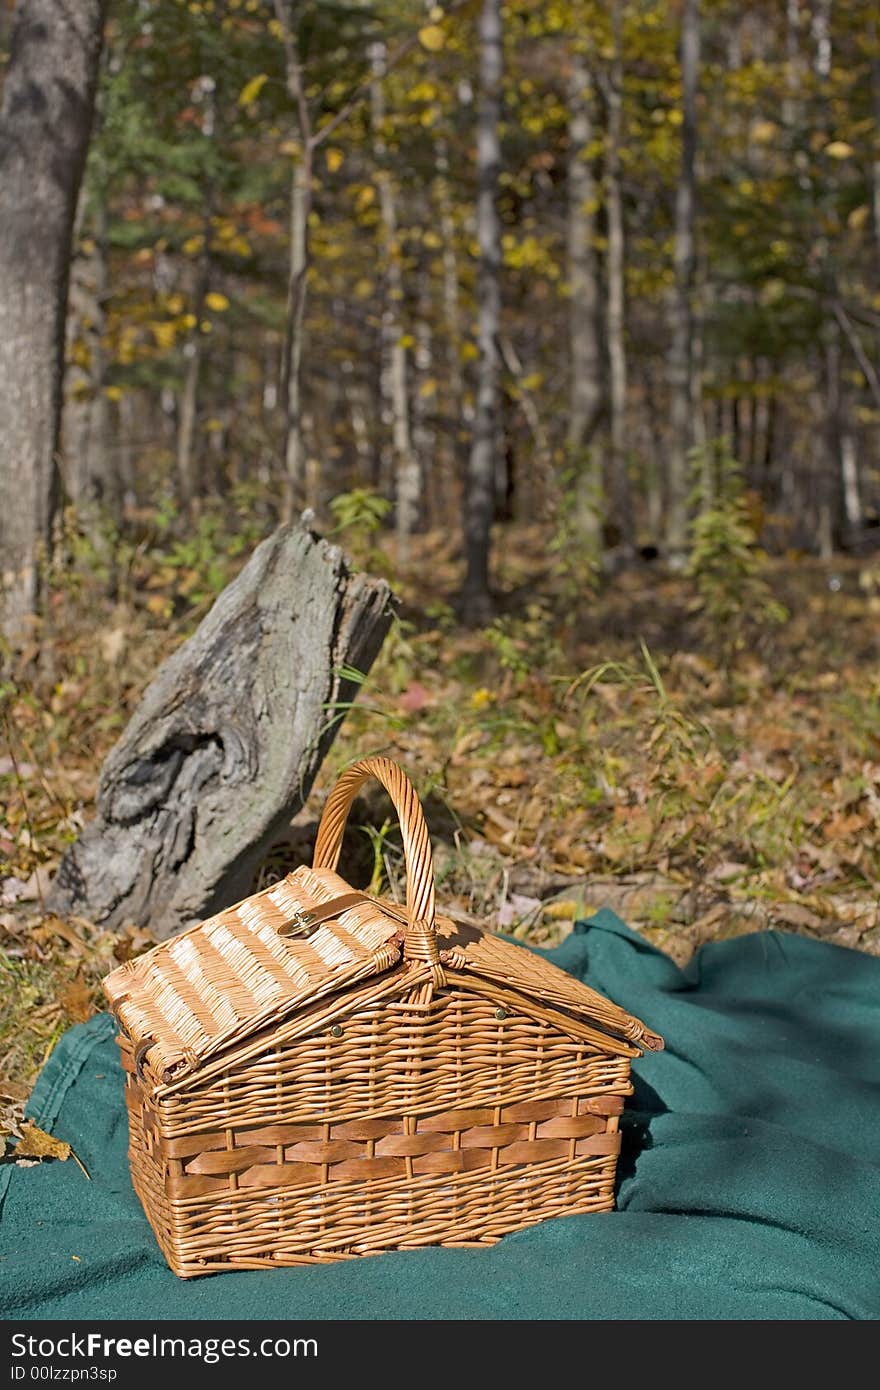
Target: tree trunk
[
  {"x": 682, "y": 389},
  {"x": 459, "y": 409},
  {"x": 830, "y": 462},
  {"x": 620, "y": 512},
  {"x": 479, "y": 499},
  {"x": 187, "y": 467},
  {"x": 424, "y": 401},
  {"x": 852, "y": 500},
  {"x": 407, "y": 480},
  {"x": 225, "y": 744},
  {"x": 45, "y": 123},
  {"x": 89, "y": 473},
  {"x": 586, "y": 359},
  {"x": 287, "y": 15},
  {"x": 793, "y": 74},
  {"x": 297, "y": 289}
]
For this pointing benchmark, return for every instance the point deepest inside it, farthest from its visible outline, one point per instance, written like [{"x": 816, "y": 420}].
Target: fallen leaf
[
  {"x": 796, "y": 915},
  {"x": 564, "y": 909},
  {"x": 76, "y": 1000},
  {"x": 37, "y": 886},
  {"x": 840, "y": 827},
  {"x": 12, "y": 890},
  {"x": 7, "y": 766},
  {"x": 36, "y": 1143},
  {"x": 113, "y": 644},
  {"x": 515, "y": 908},
  {"x": 66, "y": 932},
  {"x": 12, "y": 1090},
  {"x": 414, "y": 698}
]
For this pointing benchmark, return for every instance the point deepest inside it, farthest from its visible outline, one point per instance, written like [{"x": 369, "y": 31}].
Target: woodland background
[{"x": 563, "y": 315}]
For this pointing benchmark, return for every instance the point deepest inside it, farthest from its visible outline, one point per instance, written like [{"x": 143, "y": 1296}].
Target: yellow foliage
[
  {"x": 858, "y": 217},
  {"x": 428, "y": 388},
  {"x": 113, "y": 393},
  {"x": 564, "y": 910},
  {"x": 164, "y": 334},
  {"x": 432, "y": 37},
  {"x": 334, "y": 158},
  {"x": 481, "y": 698},
  {"x": 193, "y": 245},
  {"x": 529, "y": 254},
  {"x": 235, "y": 246},
  {"x": 251, "y": 90},
  {"x": 366, "y": 195},
  {"x": 79, "y": 354},
  {"x": 423, "y": 91},
  {"x": 839, "y": 149},
  {"x": 216, "y": 301}
]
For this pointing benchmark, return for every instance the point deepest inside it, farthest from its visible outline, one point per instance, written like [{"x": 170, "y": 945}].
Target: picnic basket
[{"x": 316, "y": 1074}]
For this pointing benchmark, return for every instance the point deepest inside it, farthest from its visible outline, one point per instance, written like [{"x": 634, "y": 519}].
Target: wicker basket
[{"x": 316, "y": 1074}]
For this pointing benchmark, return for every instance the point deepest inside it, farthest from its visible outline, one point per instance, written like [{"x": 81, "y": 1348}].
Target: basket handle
[{"x": 420, "y": 942}]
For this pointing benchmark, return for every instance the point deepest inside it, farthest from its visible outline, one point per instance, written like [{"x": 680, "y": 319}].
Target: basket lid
[
  {"x": 280, "y": 951},
  {"x": 235, "y": 973}
]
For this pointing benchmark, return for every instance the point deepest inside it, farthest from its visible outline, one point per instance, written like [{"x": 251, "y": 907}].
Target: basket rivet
[
  {"x": 501, "y": 1014},
  {"x": 336, "y": 1031}
]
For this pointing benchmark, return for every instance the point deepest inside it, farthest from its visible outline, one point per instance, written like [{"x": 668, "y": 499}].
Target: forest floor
[{"x": 587, "y": 749}]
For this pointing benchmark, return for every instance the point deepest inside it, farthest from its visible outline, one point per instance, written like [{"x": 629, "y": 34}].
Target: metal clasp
[{"x": 301, "y": 922}]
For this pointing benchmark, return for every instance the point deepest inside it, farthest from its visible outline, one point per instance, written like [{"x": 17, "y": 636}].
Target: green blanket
[{"x": 749, "y": 1178}]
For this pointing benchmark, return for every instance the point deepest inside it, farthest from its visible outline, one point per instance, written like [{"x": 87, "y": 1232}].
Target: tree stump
[{"x": 225, "y": 745}]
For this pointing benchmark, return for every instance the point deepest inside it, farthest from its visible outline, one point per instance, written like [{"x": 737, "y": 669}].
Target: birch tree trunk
[
  {"x": 45, "y": 124},
  {"x": 90, "y": 475},
  {"x": 616, "y": 300},
  {"x": 459, "y": 410},
  {"x": 297, "y": 290},
  {"x": 682, "y": 390},
  {"x": 187, "y": 464},
  {"x": 482, "y": 465},
  {"x": 407, "y": 479},
  {"x": 286, "y": 13},
  {"x": 424, "y": 400},
  {"x": 586, "y": 359}
]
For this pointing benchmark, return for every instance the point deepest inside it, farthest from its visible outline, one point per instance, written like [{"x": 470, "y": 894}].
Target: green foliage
[
  {"x": 577, "y": 542},
  {"x": 378, "y": 838},
  {"x": 362, "y": 510},
  {"x": 726, "y": 564},
  {"x": 525, "y": 643},
  {"x": 359, "y": 515}
]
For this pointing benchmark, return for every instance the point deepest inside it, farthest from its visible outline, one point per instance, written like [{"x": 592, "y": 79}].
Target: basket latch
[{"x": 305, "y": 920}]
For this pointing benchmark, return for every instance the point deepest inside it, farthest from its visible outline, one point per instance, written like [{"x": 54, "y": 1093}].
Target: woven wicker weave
[{"x": 314, "y": 1074}]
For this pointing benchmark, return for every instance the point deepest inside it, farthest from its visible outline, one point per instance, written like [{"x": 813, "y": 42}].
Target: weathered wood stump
[{"x": 224, "y": 747}]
